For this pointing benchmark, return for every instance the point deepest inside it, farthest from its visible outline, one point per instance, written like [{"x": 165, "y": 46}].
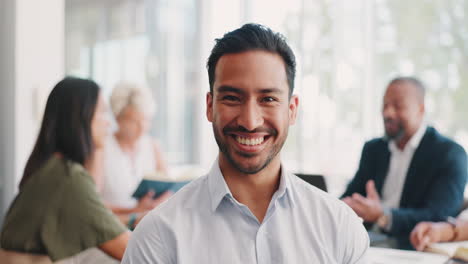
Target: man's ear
[
  {"x": 209, "y": 106},
  {"x": 293, "y": 106}
]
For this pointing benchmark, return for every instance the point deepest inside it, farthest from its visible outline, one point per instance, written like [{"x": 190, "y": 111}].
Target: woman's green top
[{"x": 59, "y": 213}]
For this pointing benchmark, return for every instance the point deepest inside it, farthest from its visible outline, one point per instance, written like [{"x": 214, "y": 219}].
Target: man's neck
[
  {"x": 403, "y": 141},
  {"x": 253, "y": 190}
]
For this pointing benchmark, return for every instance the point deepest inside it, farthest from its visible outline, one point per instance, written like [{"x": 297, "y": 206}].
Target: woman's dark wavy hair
[
  {"x": 253, "y": 37},
  {"x": 66, "y": 125}
]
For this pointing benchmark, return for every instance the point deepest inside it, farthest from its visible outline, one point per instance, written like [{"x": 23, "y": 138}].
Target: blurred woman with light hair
[{"x": 131, "y": 153}]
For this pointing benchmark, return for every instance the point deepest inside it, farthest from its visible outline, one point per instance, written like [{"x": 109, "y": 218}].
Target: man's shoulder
[
  {"x": 378, "y": 142},
  {"x": 189, "y": 196},
  {"x": 329, "y": 212},
  {"x": 311, "y": 196},
  {"x": 440, "y": 138},
  {"x": 375, "y": 146},
  {"x": 440, "y": 142}
]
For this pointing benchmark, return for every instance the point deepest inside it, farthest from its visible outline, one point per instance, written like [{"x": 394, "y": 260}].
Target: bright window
[{"x": 347, "y": 51}]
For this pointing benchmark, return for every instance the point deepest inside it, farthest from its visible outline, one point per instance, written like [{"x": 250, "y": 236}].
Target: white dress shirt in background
[{"x": 400, "y": 161}]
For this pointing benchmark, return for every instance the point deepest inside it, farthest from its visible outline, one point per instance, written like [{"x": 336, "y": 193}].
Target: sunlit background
[{"x": 347, "y": 51}]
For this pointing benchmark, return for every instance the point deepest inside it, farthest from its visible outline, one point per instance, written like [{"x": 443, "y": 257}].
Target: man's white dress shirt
[{"x": 203, "y": 223}]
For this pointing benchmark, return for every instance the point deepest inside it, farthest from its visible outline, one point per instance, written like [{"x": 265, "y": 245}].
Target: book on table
[{"x": 455, "y": 250}]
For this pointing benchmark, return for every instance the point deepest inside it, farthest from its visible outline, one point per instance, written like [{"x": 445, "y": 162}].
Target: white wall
[
  {"x": 32, "y": 61},
  {"x": 39, "y": 58}
]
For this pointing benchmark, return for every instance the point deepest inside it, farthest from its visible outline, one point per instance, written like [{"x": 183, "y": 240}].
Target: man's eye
[
  {"x": 269, "y": 99},
  {"x": 399, "y": 106},
  {"x": 230, "y": 98}
]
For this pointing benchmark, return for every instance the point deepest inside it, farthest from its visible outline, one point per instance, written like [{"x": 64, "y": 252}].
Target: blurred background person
[
  {"x": 412, "y": 174},
  {"x": 426, "y": 233},
  {"x": 131, "y": 154},
  {"x": 58, "y": 211}
]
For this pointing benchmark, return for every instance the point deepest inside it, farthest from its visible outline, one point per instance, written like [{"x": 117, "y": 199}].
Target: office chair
[{"x": 316, "y": 180}]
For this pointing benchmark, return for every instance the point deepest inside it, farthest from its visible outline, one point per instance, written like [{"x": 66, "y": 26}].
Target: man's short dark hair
[
  {"x": 419, "y": 85},
  {"x": 252, "y": 37}
]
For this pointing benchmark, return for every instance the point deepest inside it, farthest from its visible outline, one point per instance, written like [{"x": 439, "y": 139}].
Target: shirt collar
[
  {"x": 284, "y": 187},
  {"x": 218, "y": 187},
  {"x": 413, "y": 143}
]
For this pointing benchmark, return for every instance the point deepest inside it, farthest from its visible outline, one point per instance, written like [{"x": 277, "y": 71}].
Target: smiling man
[{"x": 249, "y": 209}]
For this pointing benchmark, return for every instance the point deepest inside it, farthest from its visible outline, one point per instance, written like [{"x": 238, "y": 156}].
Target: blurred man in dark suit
[{"x": 412, "y": 174}]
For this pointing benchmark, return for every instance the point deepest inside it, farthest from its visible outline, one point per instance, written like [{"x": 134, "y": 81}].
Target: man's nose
[
  {"x": 388, "y": 112},
  {"x": 251, "y": 116}
]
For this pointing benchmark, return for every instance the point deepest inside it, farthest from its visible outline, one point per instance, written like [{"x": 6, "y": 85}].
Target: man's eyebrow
[
  {"x": 227, "y": 89},
  {"x": 271, "y": 90}
]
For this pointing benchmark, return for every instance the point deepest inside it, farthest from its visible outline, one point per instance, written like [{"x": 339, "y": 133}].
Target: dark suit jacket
[{"x": 434, "y": 183}]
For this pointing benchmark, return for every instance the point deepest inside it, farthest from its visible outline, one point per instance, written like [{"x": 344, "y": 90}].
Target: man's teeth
[{"x": 249, "y": 141}]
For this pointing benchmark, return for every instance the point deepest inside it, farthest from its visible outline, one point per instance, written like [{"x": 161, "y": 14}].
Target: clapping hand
[{"x": 368, "y": 208}]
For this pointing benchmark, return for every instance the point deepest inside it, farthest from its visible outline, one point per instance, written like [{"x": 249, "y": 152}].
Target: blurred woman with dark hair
[{"x": 58, "y": 211}]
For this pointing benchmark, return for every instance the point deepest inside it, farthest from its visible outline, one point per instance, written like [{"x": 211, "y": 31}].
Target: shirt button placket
[{"x": 263, "y": 254}]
